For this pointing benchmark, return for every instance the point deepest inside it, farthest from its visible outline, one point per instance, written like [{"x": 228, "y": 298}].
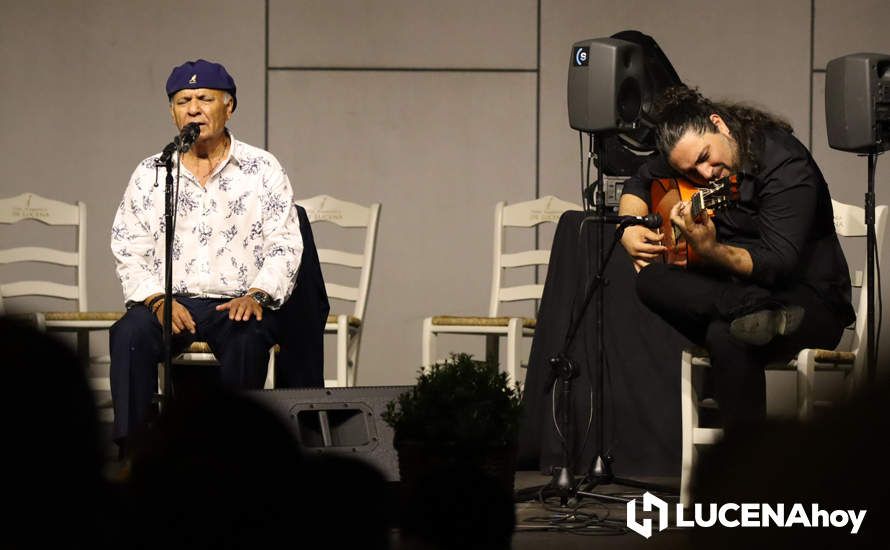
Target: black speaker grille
[{"x": 340, "y": 421}]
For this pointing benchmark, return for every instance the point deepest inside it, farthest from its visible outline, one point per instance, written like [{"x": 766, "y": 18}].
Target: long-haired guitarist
[{"x": 770, "y": 277}]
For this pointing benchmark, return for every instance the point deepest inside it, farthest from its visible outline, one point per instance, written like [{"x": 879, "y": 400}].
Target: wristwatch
[{"x": 261, "y": 298}]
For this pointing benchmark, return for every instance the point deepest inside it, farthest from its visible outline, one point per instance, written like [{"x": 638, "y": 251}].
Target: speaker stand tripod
[{"x": 871, "y": 245}]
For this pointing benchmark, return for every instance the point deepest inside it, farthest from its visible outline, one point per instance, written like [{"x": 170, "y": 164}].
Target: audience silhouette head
[
  {"x": 216, "y": 470},
  {"x": 54, "y": 463}
]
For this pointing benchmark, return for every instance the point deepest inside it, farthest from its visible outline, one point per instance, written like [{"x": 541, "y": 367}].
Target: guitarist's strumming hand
[
  {"x": 699, "y": 234},
  {"x": 642, "y": 244}
]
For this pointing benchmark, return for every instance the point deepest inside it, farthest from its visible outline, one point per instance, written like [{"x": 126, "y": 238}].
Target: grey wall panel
[
  {"x": 849, "y": 27},
  {"x": 403, "y": 33},
  {"x": 847, "y": 176},
  {"x": 83, "y": 88},
  {"x": 438, "y": 150},
  {"x": 755, "y": 51}
]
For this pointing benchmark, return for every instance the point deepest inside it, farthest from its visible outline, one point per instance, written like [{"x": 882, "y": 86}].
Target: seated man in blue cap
[{"x": 236, "y": 251}]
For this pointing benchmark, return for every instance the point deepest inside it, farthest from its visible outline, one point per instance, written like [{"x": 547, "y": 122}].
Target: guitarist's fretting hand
[
  {"x": 643, "y": 245},
  {"x": 699, "y": 234}
]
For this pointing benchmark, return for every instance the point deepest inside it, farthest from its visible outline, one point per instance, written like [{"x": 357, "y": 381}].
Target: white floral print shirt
[{"x": 240, "y": 231}]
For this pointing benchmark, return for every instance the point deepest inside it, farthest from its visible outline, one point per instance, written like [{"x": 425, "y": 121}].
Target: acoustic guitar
[{"x": 704, "y": 201}]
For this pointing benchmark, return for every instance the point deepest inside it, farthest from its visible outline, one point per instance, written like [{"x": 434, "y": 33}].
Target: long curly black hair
[{"x": 680, "y": 109}]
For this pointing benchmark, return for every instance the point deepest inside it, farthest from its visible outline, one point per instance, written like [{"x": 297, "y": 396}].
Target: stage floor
[{"x": 548, "y": 525}]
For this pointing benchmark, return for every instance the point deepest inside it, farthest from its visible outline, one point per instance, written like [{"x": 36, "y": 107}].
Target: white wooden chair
[
  {"x": 79, "y": 320},
  {"x": 527, "y": 214},
  {"x": 849, "y": 221},
  {"x": 346, "y": 326}
]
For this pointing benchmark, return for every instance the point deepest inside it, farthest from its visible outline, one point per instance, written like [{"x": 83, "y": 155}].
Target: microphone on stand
[
  {"x": 187, "y": 137},
  {"x": 181, "y": 143},
  {"x": 652, "y": 221}
]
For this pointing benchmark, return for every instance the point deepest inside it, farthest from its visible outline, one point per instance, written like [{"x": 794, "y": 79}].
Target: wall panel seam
[
  {"x": 409, "y": 69},
  {"x": 538, "y": 138},
  {"x": 266, "y": 79},
  {"x": 812, "y": 69}
]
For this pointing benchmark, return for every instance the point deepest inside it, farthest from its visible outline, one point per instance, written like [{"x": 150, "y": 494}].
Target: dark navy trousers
[{"x": 136, "y": 346}]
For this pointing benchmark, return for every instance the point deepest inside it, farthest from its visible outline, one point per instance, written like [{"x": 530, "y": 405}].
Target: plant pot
[{"x": 418, "y": 459}]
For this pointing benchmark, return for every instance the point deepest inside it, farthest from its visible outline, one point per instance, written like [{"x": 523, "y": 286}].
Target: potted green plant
[{"x": 461, "y": 410}]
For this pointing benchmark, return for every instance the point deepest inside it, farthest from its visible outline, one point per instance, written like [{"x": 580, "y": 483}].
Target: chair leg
[
  {"x": 97, "y": 383},
  {"x": 342, "y": 347},
  {"x": 514, "y": 342},
  {"x": 99, "y": 379},
  {"x": 855, "y": 377},
  {"x": 162, "y": 378},
  {"x": 428, "y": 343},
  {"x": 689, "y": 416},
  {"x": 269, "y": 384},
  {"x": 352, "y": 361},
  {"x": 806, "y": 374}
]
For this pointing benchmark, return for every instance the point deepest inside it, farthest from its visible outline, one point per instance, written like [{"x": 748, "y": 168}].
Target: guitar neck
[{"x": 718, "y": 196}]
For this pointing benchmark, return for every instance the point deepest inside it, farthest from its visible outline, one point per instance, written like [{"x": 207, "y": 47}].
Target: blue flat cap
[{"x": 201, "y": 74}]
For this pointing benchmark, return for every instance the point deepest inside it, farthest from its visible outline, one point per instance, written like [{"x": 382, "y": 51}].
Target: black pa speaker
[
  {"x": 340, "y": 420},
  {"x": 607, "y": 85},
  {"x": 857, "y": 102}
]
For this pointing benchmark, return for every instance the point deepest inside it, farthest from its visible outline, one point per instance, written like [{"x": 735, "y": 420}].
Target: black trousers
[
  {"x": 136, "y": 346},
  {"x": 701, "y": 307}
]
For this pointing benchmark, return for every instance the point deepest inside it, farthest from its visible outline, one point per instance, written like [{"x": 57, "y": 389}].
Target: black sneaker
[{"x": 760, "y": 327}]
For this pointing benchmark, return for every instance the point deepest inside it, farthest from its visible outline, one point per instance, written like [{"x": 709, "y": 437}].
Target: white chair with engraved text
[
  {"x": 346, "y": 326},
  {"x": 78, "y": 320}
]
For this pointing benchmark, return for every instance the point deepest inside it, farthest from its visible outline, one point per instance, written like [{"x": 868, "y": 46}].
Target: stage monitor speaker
[
  {"x": 857, "y": 102},
  {"x": 342, "y": 421},
  {"x": 607, "y": 86}
]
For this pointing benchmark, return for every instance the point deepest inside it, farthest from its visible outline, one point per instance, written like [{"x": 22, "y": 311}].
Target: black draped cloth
[
  {"x": 641, "y": 405},
  {"x": 300, "y": 362}
]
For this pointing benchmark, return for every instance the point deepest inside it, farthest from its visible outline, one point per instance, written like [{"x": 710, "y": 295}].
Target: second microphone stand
[{"x": 600, "y": 470}]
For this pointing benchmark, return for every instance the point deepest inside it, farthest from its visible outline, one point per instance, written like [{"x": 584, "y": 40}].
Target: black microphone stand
[
  {"x": 600, "y": 471},
  {"x": 180, "y": 144},
  {"x": 566, "y": 369},
  {"x": 169, "y": 220}
]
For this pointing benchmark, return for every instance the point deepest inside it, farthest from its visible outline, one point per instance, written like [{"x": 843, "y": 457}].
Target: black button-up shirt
[{"x": 784, "y": 220}]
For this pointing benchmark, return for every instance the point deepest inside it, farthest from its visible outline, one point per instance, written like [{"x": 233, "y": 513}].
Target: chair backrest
[
  {"x": 527, "y": 214},
  {"x": 29, "y": 206},
  {"x": 324, "y": 208},
  {"x": 849, "y": 221}
]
